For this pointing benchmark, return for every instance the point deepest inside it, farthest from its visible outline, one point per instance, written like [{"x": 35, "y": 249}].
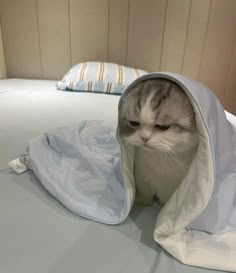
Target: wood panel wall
[
  {"x": 44, "y": 38},
  {"x": 2, "y": 59}
]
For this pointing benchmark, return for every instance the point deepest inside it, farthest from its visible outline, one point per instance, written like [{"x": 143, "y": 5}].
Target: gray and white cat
[{"x": 157, "y": 117}]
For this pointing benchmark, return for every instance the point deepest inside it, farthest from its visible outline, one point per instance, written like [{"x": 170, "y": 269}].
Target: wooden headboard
[{"x": 44, "y": 38}]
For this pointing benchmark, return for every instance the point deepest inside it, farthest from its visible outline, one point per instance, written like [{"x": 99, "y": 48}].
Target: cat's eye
[
  {"x": 162, "y": 127},
  {"x": 134, "y": 123}
]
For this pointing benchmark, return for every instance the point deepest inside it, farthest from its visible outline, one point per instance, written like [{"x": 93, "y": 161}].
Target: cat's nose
[
  {"x": 145, "y": 134},
  {"x": 144, "y": 138}
]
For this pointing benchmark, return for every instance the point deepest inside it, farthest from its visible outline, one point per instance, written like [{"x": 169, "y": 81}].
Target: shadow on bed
[{"x": 145, "y": 219}]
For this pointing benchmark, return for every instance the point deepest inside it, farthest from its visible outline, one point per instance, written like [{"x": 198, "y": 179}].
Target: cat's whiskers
[
  {"x": 163, "y": 146},
  {"x": 170, "y": 161},
  {"x": 166, "y": 159},
  {"x": 177, "y": 161}
]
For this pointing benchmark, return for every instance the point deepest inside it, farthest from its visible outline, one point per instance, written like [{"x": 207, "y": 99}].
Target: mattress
[{"x": 38, "y": 234}]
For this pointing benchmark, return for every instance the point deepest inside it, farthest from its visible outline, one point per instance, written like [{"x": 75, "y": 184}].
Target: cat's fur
[{"x": 158, "y": 118}]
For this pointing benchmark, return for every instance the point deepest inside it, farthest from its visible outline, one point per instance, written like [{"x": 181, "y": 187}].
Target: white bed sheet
[{"x": 37, "y": 234}]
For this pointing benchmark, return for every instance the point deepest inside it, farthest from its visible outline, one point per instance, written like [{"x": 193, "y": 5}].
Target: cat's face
[{"x": 157, "y": 115}]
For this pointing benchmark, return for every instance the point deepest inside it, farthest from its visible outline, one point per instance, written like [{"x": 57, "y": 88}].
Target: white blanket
[{"x": 87, "y": 170}]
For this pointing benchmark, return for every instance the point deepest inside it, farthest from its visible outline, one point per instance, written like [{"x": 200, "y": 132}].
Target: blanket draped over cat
[{"x": 91, "y": 173}]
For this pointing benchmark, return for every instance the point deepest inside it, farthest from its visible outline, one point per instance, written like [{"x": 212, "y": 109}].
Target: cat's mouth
[
  {"x": 143, "y": 145},
  {"x": 152, "y": 148},
  {"x": 147, "y": 147}
]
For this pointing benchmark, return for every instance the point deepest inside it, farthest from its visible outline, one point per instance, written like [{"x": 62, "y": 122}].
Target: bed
[{"x": 37, "y": 233}]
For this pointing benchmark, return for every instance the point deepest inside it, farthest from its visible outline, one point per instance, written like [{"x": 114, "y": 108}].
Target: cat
[{"x": 157, "y": 117}]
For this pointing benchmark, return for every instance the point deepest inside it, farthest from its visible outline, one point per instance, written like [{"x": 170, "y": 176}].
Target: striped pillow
[{"x": 99, "y": 77}]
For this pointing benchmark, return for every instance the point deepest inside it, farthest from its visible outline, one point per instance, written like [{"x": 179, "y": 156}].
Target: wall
[
  {"x": 2, "y": 59},
  {"x": 43, "y": 38}
]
